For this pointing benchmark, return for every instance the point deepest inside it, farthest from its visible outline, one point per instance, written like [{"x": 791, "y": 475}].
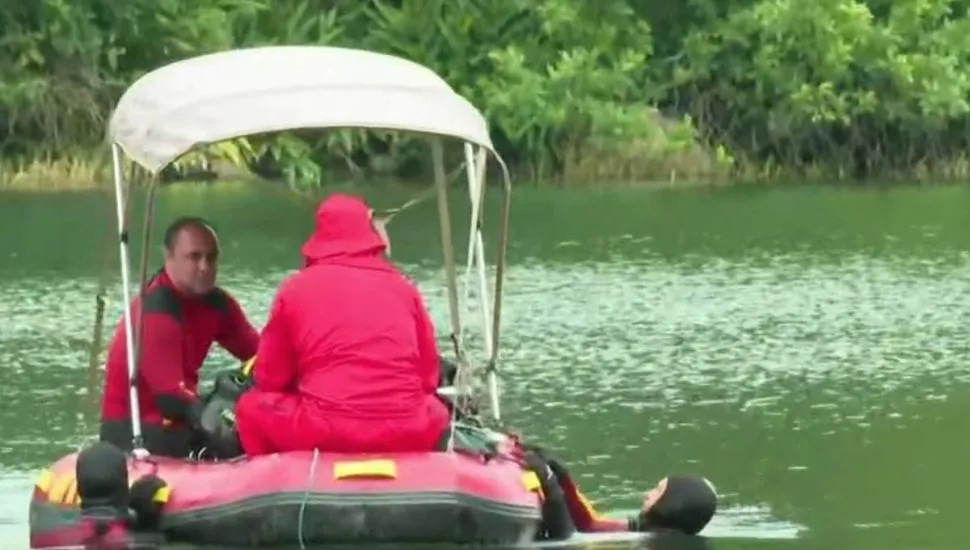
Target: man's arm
[
  {"x": 161, "y": 364},
  {"x": 427, "y": 347},
  {"x": 275, "y": 368},
  {"x": 602, "y": 524},
  {"x": 584, "y": 516},
  {"x": 237, "y": 335}
]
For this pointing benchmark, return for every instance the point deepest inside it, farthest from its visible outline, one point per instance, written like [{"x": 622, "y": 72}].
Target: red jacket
[
  {"x": 584, "y": 516},
  {"x": 177, "y": 332},
  {"x": 350, "y": 339}
]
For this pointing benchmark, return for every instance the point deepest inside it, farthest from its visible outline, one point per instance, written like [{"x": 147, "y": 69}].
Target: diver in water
[
  {"x": 678, "y": 503},
  {"x": 681, "y": 503}
]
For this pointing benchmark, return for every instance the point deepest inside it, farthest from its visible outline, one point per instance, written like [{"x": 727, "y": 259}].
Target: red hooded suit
[{"x": 347, "y": 361}]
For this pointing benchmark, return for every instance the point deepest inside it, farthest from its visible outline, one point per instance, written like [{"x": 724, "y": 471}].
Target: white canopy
[{"x": 226, "y": 95}]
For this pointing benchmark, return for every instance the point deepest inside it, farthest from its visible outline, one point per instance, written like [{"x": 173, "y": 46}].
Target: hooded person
[{"x": 347, "y": 361}]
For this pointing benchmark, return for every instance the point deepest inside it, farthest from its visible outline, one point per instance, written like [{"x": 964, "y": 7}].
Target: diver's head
[
  {"x": 101, "y": 471},
  {"x": 680, "y": 502}
]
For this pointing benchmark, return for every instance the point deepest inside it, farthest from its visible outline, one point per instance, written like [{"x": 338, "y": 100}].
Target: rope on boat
[
  {"x": 94, "y": 358},
  {"x": 475, "y": 173},
  {"x": 389, "y": 214},
  {"x": 306, "y": 498}
]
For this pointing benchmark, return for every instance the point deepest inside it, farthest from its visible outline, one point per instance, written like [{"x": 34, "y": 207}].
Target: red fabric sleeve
[
  {"x": 238, "y": 336},
  {"x": 160, "y": 367},
  {"x": 585, "y": 517},
  {"x": 427, "y": 347},
  {"x": 609, "y": 525},
  {"x": 160, "y": 364},
  {"x": 275, "y": 369}
]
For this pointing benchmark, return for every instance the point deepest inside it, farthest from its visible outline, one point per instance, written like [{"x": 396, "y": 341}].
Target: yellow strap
[
  {"x": 531, "y": 481},
  {"x": 588, "y": 506},
  {"x": 44, "y": 480},
  {"x": 247, "y": 368},
  {"x": 162, "y": 495},
  {"x": 357, "y": 469}
]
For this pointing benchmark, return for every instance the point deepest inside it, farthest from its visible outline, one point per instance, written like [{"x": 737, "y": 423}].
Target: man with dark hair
[{"x": 181, "y": 313}]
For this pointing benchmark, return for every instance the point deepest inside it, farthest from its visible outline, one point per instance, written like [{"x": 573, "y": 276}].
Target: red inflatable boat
[{"x": 309, "y": 498}]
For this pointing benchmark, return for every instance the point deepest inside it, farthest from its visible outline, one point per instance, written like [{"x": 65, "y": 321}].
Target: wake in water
[{"x": 742, "y": 522}]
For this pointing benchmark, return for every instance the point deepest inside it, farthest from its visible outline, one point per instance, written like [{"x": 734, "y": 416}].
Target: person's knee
[
  {"x": 253, "y": 433},
  {"x": 246, "y": 410},
  {"x": 243, "y": 417}
]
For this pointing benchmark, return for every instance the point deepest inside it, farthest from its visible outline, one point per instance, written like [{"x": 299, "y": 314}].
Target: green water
[{"x": 804, "y": 348}]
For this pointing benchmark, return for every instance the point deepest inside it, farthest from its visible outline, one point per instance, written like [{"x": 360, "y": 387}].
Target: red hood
[{"x": 343, "y": 230}]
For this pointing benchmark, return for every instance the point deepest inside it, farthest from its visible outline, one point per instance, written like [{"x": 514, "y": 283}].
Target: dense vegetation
[{"x": 574, "y": 89}]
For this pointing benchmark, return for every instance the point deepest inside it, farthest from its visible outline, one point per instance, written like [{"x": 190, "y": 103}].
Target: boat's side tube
[{"x": 121, "y": 198}]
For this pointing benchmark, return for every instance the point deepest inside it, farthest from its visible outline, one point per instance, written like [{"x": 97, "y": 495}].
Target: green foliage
[
  {"x": 839, "y": 87},
  {"x": 573, "y": 89}
]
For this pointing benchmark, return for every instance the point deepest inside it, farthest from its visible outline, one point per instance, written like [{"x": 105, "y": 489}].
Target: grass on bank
[
  {"x": 634, "y": 166},
  {"x": 72, "y": 173},
  {"x": 78, "y": 173}
]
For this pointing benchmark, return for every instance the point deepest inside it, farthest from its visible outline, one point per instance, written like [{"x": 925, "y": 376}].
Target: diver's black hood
[{"x": 687, "y": 505}]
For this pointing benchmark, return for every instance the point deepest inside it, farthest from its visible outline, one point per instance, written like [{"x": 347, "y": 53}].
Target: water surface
[{"x": 804, "y": 348}]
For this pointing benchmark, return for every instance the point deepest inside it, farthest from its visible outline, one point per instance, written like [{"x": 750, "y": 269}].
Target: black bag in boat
[
  {"x": 228, "y": 388},
  {"x": 218, "y": 418},
  {"x": 448, "y": 372}
]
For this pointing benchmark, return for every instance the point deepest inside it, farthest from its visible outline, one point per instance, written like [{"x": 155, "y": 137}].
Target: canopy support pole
[
  {"x": 121, "y": 199},
  {"x": 503, "y": 237},
  {"x": 475, "y": 170},
  {"x": 444, "y": 216}
]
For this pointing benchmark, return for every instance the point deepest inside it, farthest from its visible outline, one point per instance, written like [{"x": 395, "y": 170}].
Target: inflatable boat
[
  {"x": 310, "y": 498},
  {"x": 483, "y": 493}
]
